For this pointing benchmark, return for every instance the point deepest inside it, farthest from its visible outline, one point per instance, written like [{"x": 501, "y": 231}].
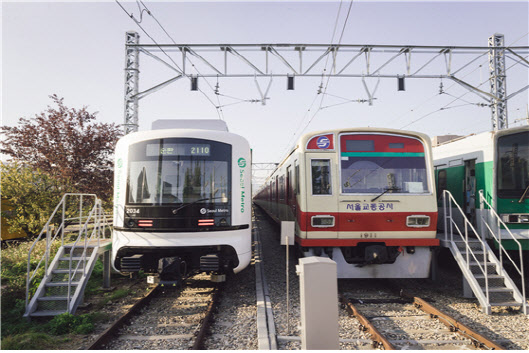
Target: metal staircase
[
  {"x": 63, "y": 280},
  {"x": 483, "y": 271}
]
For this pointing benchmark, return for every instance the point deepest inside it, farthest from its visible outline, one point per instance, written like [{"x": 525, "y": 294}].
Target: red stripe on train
[
  {"x": 366, "y": 222},
  {"x": 354, "y": 242}
]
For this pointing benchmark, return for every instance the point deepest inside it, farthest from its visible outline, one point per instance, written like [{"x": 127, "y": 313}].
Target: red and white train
[{"x": 364, "y": 197}]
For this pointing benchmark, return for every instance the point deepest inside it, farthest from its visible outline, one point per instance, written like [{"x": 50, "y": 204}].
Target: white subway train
[{"x": 182, "y": 200}]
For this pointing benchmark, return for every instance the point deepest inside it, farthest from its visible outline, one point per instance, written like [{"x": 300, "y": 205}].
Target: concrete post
[
  {"x": 319, "y": 303},
  {"x": 106, "y": 269}
]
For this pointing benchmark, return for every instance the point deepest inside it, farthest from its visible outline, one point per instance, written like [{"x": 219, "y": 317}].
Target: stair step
[
  {"x": 506, "y": 304},
  {"x": 54, "y": 298},
  {"x": 61, "y": 284},
  {"x": 76, "y": 258},
  {"x": 498, "y": 290},
  {"x": 57, "y": 271},
  {"x": 47, "y": 313},
  {"x": 474, "y": 263},
  {"x": 477, "y": 252},
  {"x": 489, "y": 276}
]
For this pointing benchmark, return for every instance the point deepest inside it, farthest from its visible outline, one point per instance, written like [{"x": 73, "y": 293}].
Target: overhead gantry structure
[{"x": 301, "y": 60}]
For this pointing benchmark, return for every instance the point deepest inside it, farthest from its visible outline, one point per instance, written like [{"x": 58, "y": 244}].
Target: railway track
[
  {"x": 406, "y": 322},
  {"x": 166, "y": 318}
]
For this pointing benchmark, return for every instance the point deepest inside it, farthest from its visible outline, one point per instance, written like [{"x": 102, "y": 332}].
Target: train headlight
[
  {"x": 322, "y": 221},
  {"x": 515, "y": 218},
  {"x": 416, "y": 221}
]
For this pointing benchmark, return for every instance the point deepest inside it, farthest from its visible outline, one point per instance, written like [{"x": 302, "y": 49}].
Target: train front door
[
  {"x": 470, "y": 190},
  {"x": 322, "y": 195}
]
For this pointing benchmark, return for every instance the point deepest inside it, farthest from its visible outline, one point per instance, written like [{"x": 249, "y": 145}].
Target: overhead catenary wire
[
  {"x": 138, "y": 23},
  {"x": 455, "y": 100},
  {"x": 455, "y": 84},
  {"x": 215, "y": 90},
  {"x": 321, "y": 83}
]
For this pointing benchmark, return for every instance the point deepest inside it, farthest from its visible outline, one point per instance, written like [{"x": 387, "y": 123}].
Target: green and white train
[{"x": 496, "y": 162}]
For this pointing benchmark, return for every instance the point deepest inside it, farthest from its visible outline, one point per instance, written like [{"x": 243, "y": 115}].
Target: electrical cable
[
  {"x": 454, "y": 84},
  {"x": 219, "y": 111},
  {"x": 323, "y": 75}
]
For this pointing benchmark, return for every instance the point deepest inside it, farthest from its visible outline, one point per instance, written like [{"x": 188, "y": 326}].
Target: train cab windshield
[
  {"x": 381, "y": 164},
  {"x": 178, "y": 172},
  {"x": 513, "y": 171}
]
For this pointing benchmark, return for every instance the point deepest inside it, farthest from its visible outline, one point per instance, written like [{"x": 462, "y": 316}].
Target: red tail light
[
  {"x": 206, "y": 222},
  {"x": 145, "y": 223}
]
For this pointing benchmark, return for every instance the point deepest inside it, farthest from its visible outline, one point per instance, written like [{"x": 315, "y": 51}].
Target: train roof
[
  {"x": 216, "y": 135},
  {"x": 304, "y": 139},
  {"x": 492, "y": 134},
  {"x": 197, "y": 124}
]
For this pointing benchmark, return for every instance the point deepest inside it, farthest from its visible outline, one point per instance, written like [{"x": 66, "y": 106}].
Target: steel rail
[
  {"x": 208, "y": 319},
  {"x": 478, "y": 340},
  {"x": 366, "y": 325},
  {"x": 455, "y": 326},
  {"x": 111, "y": 332}
]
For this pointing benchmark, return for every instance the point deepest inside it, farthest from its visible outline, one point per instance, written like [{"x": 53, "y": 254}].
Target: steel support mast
[
  {"x": 132, "y": 74},
  {"x": 498, "y": 82}
]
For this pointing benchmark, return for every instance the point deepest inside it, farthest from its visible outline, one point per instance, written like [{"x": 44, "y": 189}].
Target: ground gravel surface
[
  {"x": 235, "y": 328},
  {"x": 235, "y": 320}
]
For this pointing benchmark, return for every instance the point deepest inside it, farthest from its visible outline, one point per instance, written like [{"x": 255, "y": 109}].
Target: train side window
[
  {"x": 441, "y": 182},
  {"x": 289, "y": 182},
  {"x": 276, "y": 191},
  {"x": 321, "y": 176},
  {"x": 296, "y": 175}
]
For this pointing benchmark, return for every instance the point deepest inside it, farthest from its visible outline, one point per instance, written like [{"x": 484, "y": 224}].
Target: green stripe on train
[
  {"x": 510, "y": 244},
  {"x": 382, "y": 154}
]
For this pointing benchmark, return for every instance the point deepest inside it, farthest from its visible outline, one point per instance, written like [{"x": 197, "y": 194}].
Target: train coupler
[{"x": 171, "y": 271}]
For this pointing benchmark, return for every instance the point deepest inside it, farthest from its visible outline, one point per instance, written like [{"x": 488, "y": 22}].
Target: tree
[
  {"x": 32, "y": 195},
  {"x": 67, "y": 144}
]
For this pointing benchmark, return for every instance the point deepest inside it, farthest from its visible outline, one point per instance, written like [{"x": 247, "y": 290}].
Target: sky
[{"x": 76, "y": 50}]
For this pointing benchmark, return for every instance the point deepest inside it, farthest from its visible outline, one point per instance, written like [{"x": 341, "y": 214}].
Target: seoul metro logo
[{"x": 323, "y": 142}]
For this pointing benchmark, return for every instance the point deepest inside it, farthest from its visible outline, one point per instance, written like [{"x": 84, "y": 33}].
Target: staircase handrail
[
  {"x": 50, "y": 239},
  {"x": 520, "y": 270},
  {"x": 484, "y": 269},
  {"x": 83, "y": 231}
]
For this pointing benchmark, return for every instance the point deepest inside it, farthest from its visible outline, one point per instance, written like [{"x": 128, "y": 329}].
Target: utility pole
[
  {"x": 132, "y": 74},
  {"x": 498, "y": 82}
]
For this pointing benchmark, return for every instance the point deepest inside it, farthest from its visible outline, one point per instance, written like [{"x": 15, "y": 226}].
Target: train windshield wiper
[
  {"x": 224, "y": 199},
  {"x": 523, "y": 195},
  {"x": 385, "y": 190}
]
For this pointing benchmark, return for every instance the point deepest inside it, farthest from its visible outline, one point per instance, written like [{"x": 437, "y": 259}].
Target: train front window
[
  {"x": 179, "y": 171},
  {"x": 382, "y": 163},
  {"x": 321, "y": 177},
  {"x": 513, "y": 171}
]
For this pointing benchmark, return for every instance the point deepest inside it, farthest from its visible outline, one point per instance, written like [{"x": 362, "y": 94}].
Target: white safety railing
[
  {"x": 84, "y": 217},
  {"x": 450, "y": 224},
  {"x": 98, "y": 218},
  {"x": 497, "y": 236}
]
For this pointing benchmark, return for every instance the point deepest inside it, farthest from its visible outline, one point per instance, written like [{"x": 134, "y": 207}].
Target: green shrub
[
  {"x": 119, "y": 293},
  {"x": 68, "y": 323}
]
